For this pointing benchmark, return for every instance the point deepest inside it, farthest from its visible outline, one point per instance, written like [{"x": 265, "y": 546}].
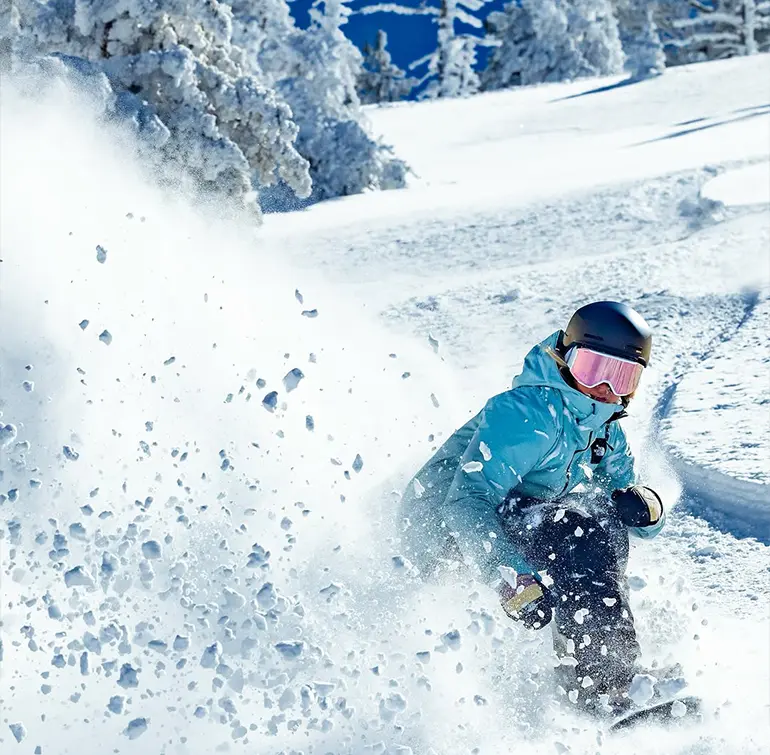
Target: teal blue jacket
[{"x": 532, "y": 441}]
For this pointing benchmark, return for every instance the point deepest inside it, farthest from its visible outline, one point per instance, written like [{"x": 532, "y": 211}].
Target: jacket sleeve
[
  {"x": 515, "y": 431},
  {"x": 617, "y": 471}
]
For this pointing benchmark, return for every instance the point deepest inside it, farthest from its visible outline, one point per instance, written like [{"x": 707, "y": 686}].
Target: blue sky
[{"x": 409, "y": 37}]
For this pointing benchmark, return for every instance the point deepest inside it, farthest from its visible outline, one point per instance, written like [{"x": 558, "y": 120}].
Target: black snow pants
[{"x": 584, "y": 549}]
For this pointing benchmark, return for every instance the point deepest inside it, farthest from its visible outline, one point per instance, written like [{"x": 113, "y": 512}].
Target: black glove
[
  {"x": 638, "y": 506},
  {"x": 530, "y": 602}
]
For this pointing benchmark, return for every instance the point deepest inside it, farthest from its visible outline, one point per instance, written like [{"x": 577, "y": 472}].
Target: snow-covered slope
[
  {"x": 719, "y": 413},
  {"x": 717, "y": 426},
  {"x": 145, "y": 481}
]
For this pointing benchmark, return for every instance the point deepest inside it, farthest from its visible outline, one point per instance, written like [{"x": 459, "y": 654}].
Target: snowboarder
[{"x": 542, "y": 481}]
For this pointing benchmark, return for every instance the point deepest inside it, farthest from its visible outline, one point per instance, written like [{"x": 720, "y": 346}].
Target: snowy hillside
[{"x": 204, "y": 427}]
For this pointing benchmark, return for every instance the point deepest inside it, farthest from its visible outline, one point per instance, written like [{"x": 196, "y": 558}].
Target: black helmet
[{"x": 611, "y": 328}]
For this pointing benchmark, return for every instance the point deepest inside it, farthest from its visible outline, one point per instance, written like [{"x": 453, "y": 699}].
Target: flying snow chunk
[
  {"x": 290, "y": 650},
  {"x": 7, "y": 434},
  {"x": 136, "y": 728},
  {"x": 399, "y": 562},
  {"x": 233, "y": 600},
  {"x": 92, "y": 643},
  {"x": 128, "y": 676},
  {"x": 211, "y": 656},
  {"x": 115, "y": 704},
  {"x": 358, "y": 463},
  {"x": 323, "y": 689},
  {"x": 486, "y": 454},
  {"x": 266, "y": 597},
  {"x": 28, "y": 386},
  {"x": 678, "y": 709},
  {"x": 83, "y": 324},
  {"x": 78, "y": 577},
  {"x": 452, "y": 639},
  {"x": 270, "y": 401},
  {"x": 311, "y": 313},
  {"x": 151, "y": 550},
  {"x": 258, "y": 556},
  {"x": 287, "y": 699},
  {"x": 292, "y": 379},
  {"x": 642, "y": 688},
  {"x": 18, "y": 731},
  {"x": 105, "y": 337},
  {"x": 580, "y": 615},
  {"x": 181, "y": 643},
  {"x": 473, "y": 466},
  {"x": 70, "y": 453},
  {"x": 418, "y": 488},
  {"x": 396, "y": 702}
]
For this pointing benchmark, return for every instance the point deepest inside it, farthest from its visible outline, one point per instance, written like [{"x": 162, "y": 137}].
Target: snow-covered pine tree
[
  {"x": 315, "y": 71},
  {"x": 640, "y": 37},
  {"x": 227, "y": 129},
  {"x": 451, "y": 66},
  {"x": 552, "y": 40},
  {"x": 212, "y": 74},
  {"x": 381, "y": 80},
  {"x": 718, "y": 29},
  {"x": 459, "y": 77},
  {"x": 666, "y": 15},
  {"x": 594, "y": 24}
]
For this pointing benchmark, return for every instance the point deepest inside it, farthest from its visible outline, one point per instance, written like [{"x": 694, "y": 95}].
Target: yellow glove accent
[
  {"x": 654, "y": 505},
  {"x": 529, "y": 594}
]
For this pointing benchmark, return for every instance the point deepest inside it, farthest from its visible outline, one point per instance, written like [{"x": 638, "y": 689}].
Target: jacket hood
[{"x": 542, "y": 370}]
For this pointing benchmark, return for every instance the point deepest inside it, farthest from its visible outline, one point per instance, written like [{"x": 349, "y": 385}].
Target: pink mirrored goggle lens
[{"x": 591, "y": 368}]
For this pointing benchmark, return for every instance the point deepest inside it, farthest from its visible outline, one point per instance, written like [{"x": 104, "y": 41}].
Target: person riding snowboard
[{"x": 542, "y": 481}]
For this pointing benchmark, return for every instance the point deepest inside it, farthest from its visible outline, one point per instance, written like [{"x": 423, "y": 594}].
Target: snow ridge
[{"x": 730, "y": 503}]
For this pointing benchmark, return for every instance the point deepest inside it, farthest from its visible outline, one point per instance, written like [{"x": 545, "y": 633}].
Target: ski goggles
[{"x": 592, "y": 368}]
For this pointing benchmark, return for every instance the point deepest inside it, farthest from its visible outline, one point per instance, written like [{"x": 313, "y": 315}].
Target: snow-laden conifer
[
  {"x": 317, "y": 78},
  {"x": 248, "y": 101},
  {"x": 640, "y": 37},
  {"x": 716, "y": 29},
  {"x": 380, "y": 79},
  {"x": 552, "y": 40},
  {"x": 227, "y": 128},
  {"x": 450, "y": 66}
]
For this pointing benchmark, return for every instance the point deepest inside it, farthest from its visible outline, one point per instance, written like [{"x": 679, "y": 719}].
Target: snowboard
[{"x": 677, "y": 710}]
